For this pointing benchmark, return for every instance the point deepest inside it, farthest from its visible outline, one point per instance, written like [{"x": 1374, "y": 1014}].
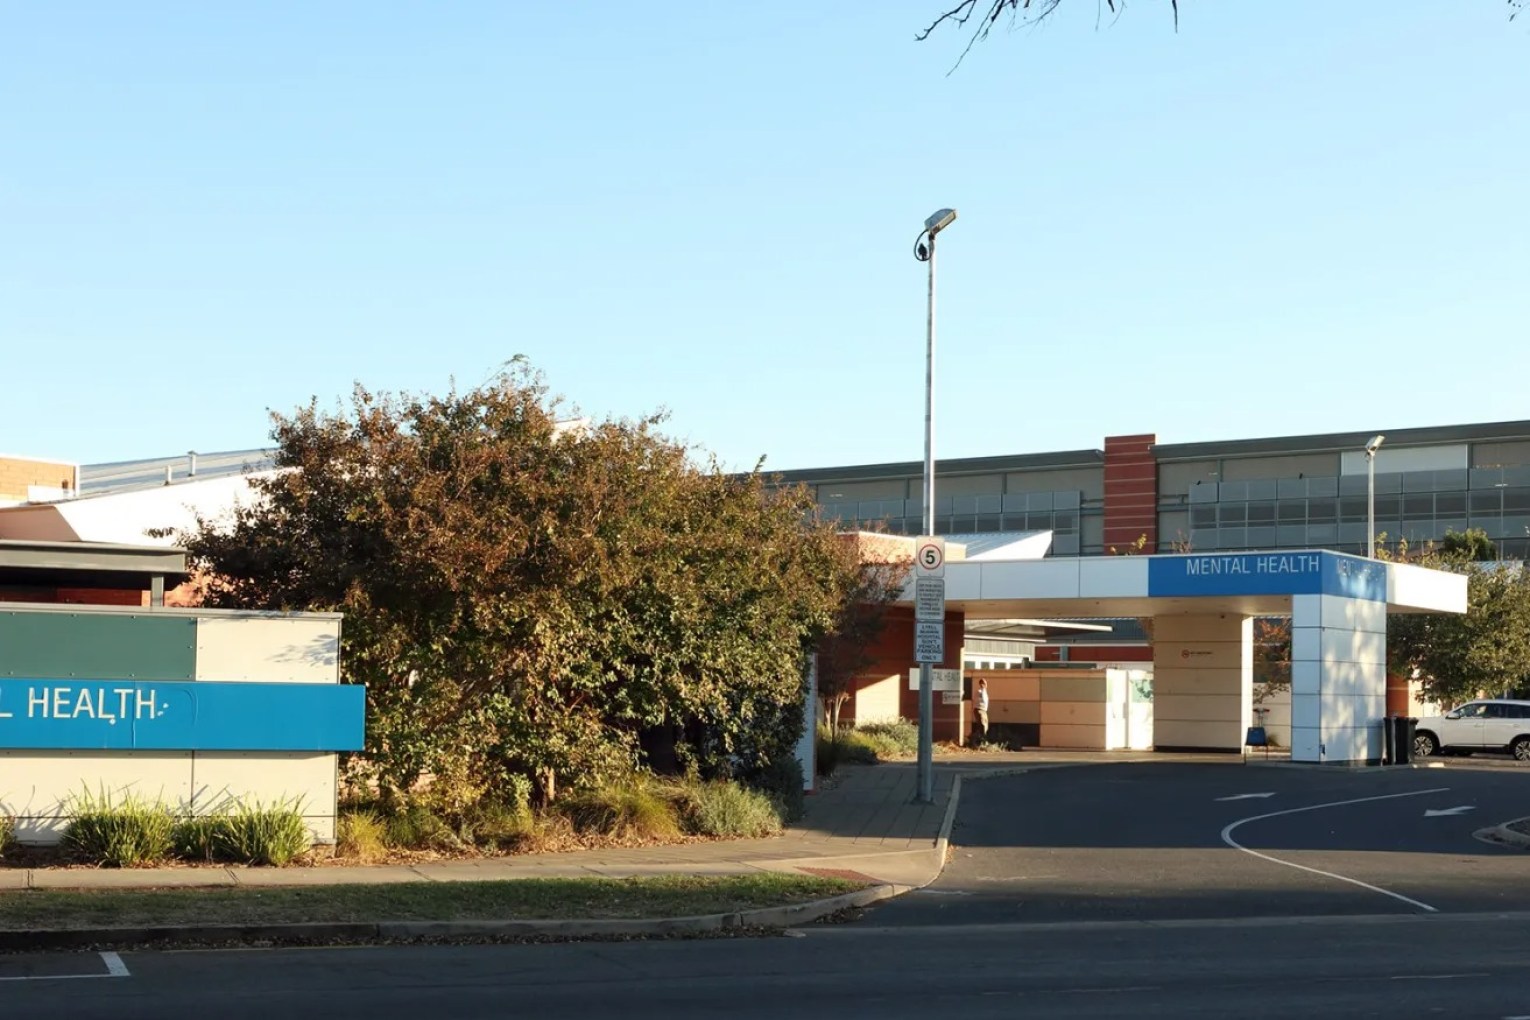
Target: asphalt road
[
  {"x": 1155, "y": 841},
  {"x": 1393, "y": 967}
]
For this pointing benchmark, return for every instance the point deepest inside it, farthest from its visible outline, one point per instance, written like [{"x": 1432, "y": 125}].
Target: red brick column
[{"x": 1131, "y": 492}]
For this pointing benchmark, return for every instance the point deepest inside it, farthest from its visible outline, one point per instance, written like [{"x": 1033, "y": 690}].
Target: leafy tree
[
  {"x": 524, "y": 600},
  {"x": 1484, "y": 651}
]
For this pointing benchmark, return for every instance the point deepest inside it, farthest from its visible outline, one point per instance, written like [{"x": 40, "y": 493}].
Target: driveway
[{"x": 1147, "y": 841}]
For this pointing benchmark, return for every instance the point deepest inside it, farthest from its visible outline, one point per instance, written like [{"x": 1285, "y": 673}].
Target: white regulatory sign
[
  {"x": 929, "y": 642},
  {"x": 930, "y": 557},
  {"x": 946, "y": 681},
  {"x": 929, "y": 598}
]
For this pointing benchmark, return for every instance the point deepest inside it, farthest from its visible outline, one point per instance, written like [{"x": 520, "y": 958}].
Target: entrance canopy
[{"x": 1245, "y": 584}]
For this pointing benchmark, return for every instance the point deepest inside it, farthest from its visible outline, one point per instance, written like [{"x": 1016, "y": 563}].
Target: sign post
[{"x": 929, "y": 647}]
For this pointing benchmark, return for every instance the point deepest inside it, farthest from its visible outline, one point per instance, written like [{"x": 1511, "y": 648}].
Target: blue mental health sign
[
  {"x": 141, "y": 715},
  {"x": 1276, "y": 573}
]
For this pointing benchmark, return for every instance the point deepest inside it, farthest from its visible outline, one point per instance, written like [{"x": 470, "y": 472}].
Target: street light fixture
[
  {"x": 1370, "y": 505},
  {"x": 924, "y": 251}
]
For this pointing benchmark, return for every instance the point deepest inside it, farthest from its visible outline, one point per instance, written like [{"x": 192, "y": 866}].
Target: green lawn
[{"x": 524, "y": 899}]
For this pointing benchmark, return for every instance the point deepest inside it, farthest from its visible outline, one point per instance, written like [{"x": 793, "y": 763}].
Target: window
[
  {"x": 1261, "y": 513},
  {"x": 1487, "y": 501},
  {"x": 1233, "y": 514},
  {"x": 1418, "y": 506},
  {"x": 1292, "y": 511},
  {"x": 1472, "y": 711},
  {"x": 1322, "y": 511},
  {"x": 1450, "y": 504}
]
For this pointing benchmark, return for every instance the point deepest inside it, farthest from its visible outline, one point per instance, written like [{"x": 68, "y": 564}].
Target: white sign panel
[
  {"x": 946, "y": 681},
  {"x": 929, "y": 598},
  {"x": 929, "y": 642},
  {"x": 950, "y": 697},
  {"x": 930, "y": 557}
]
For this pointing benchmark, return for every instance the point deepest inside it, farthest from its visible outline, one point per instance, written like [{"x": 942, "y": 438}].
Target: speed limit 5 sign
[{"x": 930, "y": 557}]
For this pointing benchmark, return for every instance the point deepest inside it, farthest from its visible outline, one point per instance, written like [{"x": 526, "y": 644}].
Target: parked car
[{"x": 1490, "y": 725}]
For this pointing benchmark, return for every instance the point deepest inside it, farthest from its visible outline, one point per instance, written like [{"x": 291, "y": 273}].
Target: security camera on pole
[{"x": 929, "y": 636}]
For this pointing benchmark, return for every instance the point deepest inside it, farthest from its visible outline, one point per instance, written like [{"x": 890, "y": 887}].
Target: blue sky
[{"x": 1286, "y": 218}]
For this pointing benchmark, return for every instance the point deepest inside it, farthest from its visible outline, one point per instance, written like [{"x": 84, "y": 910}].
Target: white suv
[{"x": 1492, "y": 725}]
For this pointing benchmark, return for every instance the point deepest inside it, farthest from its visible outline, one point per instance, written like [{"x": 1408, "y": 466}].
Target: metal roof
[
  {"x": 1338, "y": 441},
  {"x": 945, "y": 468},
  {"x": 126, "y": 475}
]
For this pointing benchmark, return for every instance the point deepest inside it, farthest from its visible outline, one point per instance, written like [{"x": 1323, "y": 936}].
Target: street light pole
[
  {"x": 924, "y": 249},
  {"x": 1370, "y": 488}
]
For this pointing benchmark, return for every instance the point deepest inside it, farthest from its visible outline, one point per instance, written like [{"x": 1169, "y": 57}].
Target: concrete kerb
[
  {"x": 309, "y": 933},
  {"x": 1503, "y": 835}
]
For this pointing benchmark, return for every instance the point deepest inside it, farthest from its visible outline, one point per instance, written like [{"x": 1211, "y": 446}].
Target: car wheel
[
  {"x": 1425, "y": 745},
  {"x": 1521, "y": 748}
]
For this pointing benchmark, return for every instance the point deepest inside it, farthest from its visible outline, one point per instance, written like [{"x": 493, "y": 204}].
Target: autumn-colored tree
[
  {"x": 1272, "y": 656},
  {"x": 525, "y": 600}
]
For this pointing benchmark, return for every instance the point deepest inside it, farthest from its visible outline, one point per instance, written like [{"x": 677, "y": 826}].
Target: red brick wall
[
  {"x": 1131, "y": 492},
  {"x": 893, "y": 654},
  {"x": 1096, "y": 653},
  {"x": 76, "y": 596},
  {"x": 16, "y": 475}
]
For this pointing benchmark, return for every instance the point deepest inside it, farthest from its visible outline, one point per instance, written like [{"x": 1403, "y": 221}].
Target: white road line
[
  {"x": 115, "y": 968},
  {"x": 1228, "y": 839}
]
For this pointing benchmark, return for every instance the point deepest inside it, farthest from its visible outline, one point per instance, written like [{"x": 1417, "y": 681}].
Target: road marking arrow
[
  {"x": 1463, "y": 809},
  {"x": 1247, "y": 796}
]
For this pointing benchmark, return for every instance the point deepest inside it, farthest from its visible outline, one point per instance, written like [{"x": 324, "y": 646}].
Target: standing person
[{"x": 980, "y": 720}]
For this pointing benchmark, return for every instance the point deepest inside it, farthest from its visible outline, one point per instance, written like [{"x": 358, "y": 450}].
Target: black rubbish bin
[
  {"x": 1388, "y": 740},
  {"x": 1403, "y": 731}
]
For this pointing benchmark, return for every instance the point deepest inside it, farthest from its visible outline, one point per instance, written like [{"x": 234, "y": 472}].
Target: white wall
[{"x": 1338, "y": 678}]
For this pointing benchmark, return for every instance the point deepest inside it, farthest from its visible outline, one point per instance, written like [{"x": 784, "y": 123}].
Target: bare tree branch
[{"x": 1028, "y": 11}]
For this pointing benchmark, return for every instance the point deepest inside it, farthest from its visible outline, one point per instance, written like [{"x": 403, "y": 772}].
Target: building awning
[{"x": 37, "y": 564}]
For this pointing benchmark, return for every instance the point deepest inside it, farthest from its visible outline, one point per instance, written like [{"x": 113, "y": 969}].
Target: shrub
[
  {"x": 781, "y": 780},
  {"x": 635, "y": 809},
  {"x": 727, "y": 809},
  {"x": 7, "y": 834},
  {"x": 495, "y": 825},
  {"x": 120, "y": 834},
  {"x": 826, "y": 752},
  {"x": 846, "y": 746},
  {"x": 414, "y": 826},
  {"x": 899, "y": 739},
  {"x": 516, "y": 792},
  {"x": 262, "y": 834},
  {"x": 360, "y": 835},
  {"x": 197, "y": 839}
]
